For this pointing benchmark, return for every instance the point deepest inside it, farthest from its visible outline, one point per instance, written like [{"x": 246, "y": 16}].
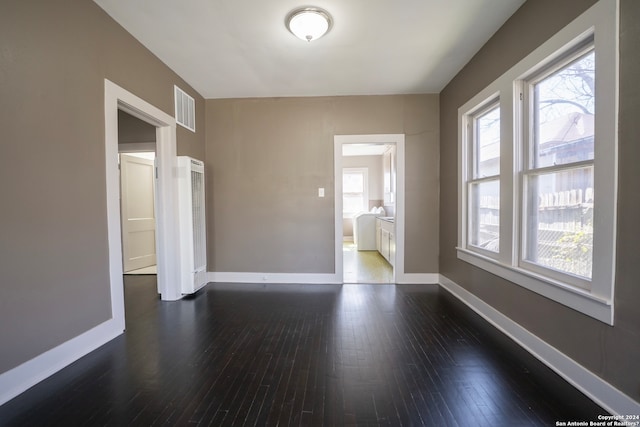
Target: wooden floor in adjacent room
[
  {"x": 364, "y": 266},
  {"x": 307, "y": 355}
]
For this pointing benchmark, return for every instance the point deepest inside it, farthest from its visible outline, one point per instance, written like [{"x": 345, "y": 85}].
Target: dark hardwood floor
[{"x": 307, "y": 355}]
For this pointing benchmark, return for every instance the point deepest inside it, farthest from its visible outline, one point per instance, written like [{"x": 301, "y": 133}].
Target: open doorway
[
  {"x": 167, "y": 238},
  {"x": 136, "y": 148},
  {"x": 136, "y": 155},
  {"x": 369, "y": 200},
  {"x": 368, "y": 211}
]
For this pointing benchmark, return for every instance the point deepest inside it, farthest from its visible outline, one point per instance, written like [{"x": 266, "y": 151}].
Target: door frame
[
  {"x": 398, "y": 140},
  {"x": 167, "y": 238}
]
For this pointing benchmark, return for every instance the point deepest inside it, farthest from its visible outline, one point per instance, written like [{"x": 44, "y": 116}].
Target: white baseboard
[
  {"x": 597, "y": 389},
  {"x": 418, "y": 279},
  {"x": 25, "y": 376},
  {"x": 302, "y": 278}
]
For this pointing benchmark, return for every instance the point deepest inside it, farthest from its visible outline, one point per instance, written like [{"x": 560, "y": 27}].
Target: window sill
[{"x": 578, "y": 299}]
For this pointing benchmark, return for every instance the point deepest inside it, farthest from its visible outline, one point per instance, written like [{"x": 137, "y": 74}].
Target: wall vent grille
[{"x": 185, "y": 109}]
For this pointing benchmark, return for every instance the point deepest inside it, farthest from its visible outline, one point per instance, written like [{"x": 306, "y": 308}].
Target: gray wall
[
  {"x": 54, "y": 56},
  {"x": 134, "y": 135},
  {"x": 269, "y": 156},
  {"x": 610, "y": 352}
]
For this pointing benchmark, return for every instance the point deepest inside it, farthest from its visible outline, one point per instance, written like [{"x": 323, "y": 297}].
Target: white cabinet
[
  {"x": 384, "y": 243},
  {"x": 385, "y": 239}
]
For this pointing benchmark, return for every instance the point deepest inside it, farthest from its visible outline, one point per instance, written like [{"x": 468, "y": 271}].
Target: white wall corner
[{"x": 594, "y": 387}]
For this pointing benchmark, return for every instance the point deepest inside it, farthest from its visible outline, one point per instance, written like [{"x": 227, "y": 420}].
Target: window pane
[
  {"x": 487, "y": 144},
  {"x": 353, "y": 203},
  {"x": 484, "y": 224},
  {"x": 564, "y": 109},
  {"x": 353, "y": 182},
  {"x": 559, "y": 228}
]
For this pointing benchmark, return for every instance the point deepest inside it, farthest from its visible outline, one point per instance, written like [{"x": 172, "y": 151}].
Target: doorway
[
  {"x": 367, "y": 181},
  {"x": 369, "y": 208},
  {"x": 167, "y": 238},
  {"x": 137, "y": 152}
]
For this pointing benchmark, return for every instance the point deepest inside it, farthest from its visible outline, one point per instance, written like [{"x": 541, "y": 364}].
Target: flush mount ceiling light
[{"x": 309, "y": 23}]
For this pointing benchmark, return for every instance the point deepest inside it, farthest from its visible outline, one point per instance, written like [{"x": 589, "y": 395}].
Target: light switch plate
[{"x": 321, "y": 192}]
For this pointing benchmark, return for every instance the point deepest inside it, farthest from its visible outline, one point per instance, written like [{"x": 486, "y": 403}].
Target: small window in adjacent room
[{"x": 355, "y": 194}]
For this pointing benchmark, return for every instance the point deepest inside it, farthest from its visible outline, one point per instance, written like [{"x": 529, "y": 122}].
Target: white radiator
[{"x": 193, "y": 239}]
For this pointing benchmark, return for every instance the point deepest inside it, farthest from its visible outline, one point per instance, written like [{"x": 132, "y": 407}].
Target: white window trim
[
  {"x": 601, "y": 21},
  {"x": 365, "y": 191}
]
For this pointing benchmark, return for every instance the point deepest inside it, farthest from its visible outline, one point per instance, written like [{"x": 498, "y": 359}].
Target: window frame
[
  {"x": 599, "y": 23},
  {"x": 526, "y": 86},
  {"x": 471, "y": 176}
]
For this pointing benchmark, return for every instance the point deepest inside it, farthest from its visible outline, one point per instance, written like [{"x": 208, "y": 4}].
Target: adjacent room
[
  {"x": 360, "y": 213},
  {"x": 137, "y": 153},
  {"x": 368, "y": 189}
]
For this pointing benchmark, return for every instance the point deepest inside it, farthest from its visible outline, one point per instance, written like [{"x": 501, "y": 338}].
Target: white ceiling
[{"x": 241, "y": 48}]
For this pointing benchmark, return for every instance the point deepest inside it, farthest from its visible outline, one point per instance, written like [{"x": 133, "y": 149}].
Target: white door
[{"x": 137, "y": 188}]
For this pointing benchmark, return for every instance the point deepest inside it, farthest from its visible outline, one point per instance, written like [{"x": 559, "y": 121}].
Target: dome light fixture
[{"x": 309, "y": 23}]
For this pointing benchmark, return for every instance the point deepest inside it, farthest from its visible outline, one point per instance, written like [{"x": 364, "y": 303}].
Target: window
[
  {"x": 537, "y": 165},
  {"x": 483, "y": 188},
  {"x": 355, "y": 193},
  {"x": 558, "y": 184}
]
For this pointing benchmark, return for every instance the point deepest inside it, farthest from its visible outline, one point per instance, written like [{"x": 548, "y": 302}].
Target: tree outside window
[{"x": 559, "y": 178}]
